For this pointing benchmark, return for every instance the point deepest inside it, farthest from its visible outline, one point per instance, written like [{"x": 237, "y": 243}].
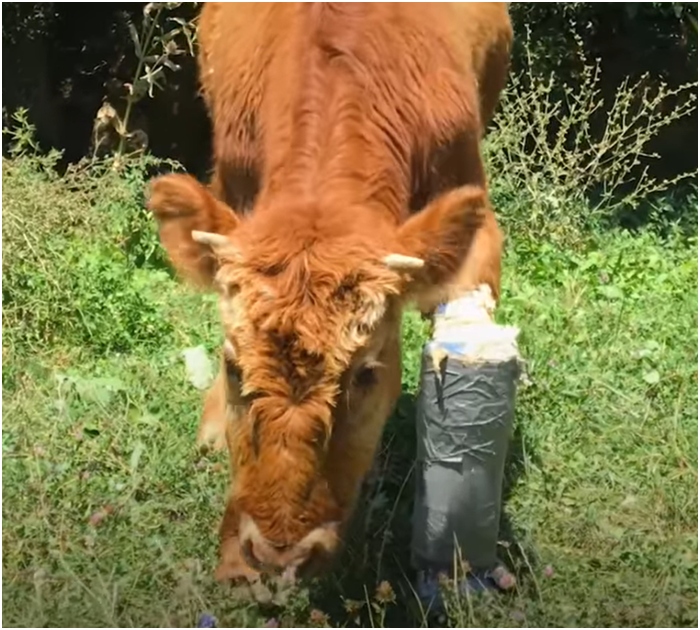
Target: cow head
[{"x": 310, "y": 304}]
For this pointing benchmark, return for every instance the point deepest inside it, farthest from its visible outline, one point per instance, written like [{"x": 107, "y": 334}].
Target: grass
[{"x": 110, "y": 513}]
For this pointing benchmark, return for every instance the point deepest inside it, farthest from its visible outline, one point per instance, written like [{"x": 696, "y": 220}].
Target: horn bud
[
  {"x": 399, "y": 262},
  {"x": 215, "y": 241}
]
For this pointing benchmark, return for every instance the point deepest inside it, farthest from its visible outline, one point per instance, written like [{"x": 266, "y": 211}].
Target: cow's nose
[{"x": 265, "y": 557}]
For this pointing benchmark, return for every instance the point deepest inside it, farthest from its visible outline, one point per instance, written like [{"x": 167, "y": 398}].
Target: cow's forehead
[
  {"x": 340, "y": 292},
  {"x": 309, "y": 325},
  {"x": 308, "y": 316},
  {"x": 312, "y": 336}
]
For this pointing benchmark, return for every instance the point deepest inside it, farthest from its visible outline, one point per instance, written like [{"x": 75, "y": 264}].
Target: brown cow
[{"x": 348, "y": 181}]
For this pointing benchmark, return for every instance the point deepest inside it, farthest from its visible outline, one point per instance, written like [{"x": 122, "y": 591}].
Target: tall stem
[{"x": 145, "y": 44}]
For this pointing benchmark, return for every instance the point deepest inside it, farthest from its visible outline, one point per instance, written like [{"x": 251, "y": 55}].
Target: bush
[
  {"x": 556, "y": 172},
  {"x": 75, "y": 272}
]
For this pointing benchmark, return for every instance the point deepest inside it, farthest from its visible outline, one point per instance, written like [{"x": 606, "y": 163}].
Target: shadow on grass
[{"x": 379, "y": 539}]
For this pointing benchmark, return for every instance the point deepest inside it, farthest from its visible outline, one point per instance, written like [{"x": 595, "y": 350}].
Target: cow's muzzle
[{"x": 302, "y": 559}]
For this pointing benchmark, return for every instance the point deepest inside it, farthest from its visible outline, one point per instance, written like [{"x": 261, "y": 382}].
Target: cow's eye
[
  {"x": 365, "y": 377},
  {"x": 233, "y": 372}
]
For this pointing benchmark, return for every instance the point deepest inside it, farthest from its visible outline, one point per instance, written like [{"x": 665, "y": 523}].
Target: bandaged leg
[{"x": 465, "y": 414}]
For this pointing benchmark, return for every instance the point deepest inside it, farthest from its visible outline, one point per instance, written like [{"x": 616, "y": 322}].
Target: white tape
[{"x": 467, "y": 326}]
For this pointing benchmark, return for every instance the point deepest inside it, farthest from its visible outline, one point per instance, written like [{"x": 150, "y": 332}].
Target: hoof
[{"x": 212, "y": 434}]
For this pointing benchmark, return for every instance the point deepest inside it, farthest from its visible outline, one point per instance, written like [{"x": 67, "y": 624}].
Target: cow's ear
[
  {"x": 192, "y": 225},
  {"x": 436, "y": 241}
]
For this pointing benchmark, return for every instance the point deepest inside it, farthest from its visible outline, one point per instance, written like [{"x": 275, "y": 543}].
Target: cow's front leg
[
  {"x": 480, "y": 267},
  {"x": 482, "y": 264},
  {"x": 212, "y": 425},
  {"x": 455, "y": 237}
]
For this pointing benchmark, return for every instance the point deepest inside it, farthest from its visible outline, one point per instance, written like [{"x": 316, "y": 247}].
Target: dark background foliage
[{"x": 62, "y": 60}]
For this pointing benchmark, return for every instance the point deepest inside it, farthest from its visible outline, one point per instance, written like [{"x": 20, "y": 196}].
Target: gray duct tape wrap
[{"x": 465, "y": 416}]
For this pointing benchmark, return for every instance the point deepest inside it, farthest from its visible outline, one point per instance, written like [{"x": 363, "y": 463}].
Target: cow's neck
[{"x": 337, "y": 150}]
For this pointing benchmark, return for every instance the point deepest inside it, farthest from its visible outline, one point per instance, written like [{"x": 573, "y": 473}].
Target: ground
[{"x": 110, "y": 513}]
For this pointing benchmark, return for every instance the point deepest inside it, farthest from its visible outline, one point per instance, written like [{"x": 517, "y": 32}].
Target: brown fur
[{"x": 342, "y": 133}]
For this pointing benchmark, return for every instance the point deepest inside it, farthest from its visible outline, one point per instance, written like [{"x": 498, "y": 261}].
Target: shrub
[
  {"x": 556, "y": 172},
  {"x": 75, "y": 271}
]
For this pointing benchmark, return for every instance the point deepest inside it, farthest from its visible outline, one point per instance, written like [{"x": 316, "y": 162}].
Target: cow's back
[
  {"x": 428, "y": 70},
  {"x": 236, "y": 42},
  {"x": 486, "y": 31}
]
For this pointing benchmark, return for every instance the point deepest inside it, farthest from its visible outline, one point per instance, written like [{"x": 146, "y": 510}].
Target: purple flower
[{"x": 207, "y": 621}]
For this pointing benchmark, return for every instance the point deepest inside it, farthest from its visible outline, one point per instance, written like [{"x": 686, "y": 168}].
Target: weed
[
  {"x": 156, "y": 46},
  {"x": 554, "y": 176}
]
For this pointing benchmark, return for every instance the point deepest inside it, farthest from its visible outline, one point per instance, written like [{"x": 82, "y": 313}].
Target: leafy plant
[
  {"x": 159, "y": 40},
  {"x": 73, "y": 267},
  {"x": 22, "y": 133},
  {"x": 544, "y": 149}
]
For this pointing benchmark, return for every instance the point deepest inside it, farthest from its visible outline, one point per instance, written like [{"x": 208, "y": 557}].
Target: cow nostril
[
  {"x": 249, "y": 555},
  {"x": 263, "y": 563}
]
